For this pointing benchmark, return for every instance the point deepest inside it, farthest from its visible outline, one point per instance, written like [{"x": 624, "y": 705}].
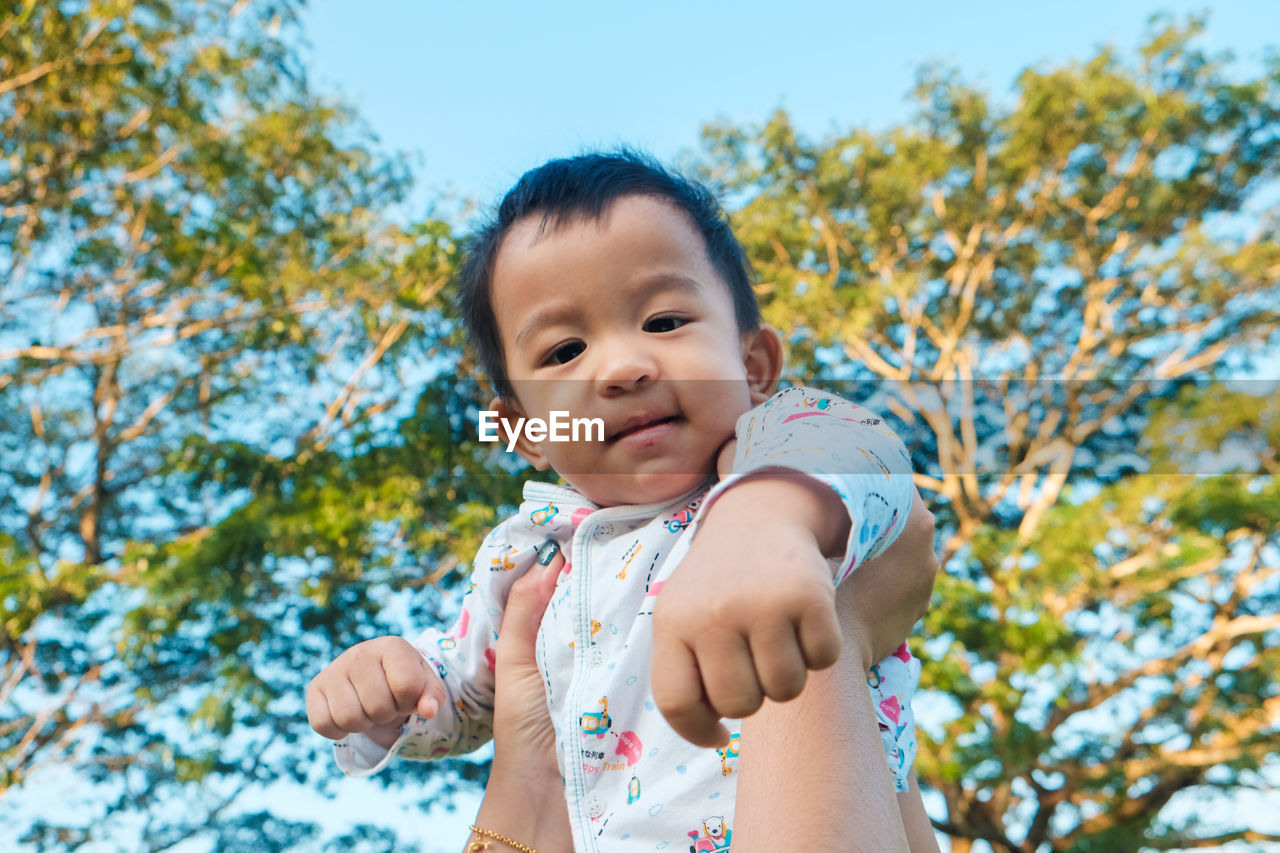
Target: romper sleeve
[
  {"x": 893, "y": 683},
  {"x": 463, "y": 656}
]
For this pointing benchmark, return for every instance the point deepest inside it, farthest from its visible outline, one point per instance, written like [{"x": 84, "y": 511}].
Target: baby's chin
[{"x": 636, "y": 489}]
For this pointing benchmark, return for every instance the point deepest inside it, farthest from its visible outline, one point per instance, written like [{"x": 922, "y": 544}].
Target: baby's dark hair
[{"x": 585, "y": 187}]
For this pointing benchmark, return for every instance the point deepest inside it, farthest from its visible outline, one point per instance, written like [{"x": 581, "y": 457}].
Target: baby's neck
[{"x": 654, "y": 491}]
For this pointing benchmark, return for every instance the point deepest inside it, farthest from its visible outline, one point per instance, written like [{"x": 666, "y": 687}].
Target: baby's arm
[
  {"x": 458, "y": 662},
  {"x": 820, "y": 485}
]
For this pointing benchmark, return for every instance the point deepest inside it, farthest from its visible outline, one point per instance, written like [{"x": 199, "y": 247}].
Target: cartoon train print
[
  {"x": 599, "y": 722},
  {"x": 543, "y": 516},
  {"x": 680, "y": 521},
  {"x": 684, "y": 517}
]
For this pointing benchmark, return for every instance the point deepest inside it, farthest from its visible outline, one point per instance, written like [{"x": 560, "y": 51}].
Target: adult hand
[
  {"x": 724, "y": 459},
  {"x": 883, "y": 599},
  {"x": 522, "y": 728},
  {"x": 524, "y": 798}
]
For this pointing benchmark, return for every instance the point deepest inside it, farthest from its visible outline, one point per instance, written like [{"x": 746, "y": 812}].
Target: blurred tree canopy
[
  {"x": 235, "y": 420},
  {"x": 225, "y": 438},
  {"x": 1049, "y": 296}
]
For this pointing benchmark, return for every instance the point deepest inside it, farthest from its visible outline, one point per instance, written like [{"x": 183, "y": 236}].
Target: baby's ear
[
  {"x": 762, "y": 358},
  {"x": 509, "y": 414}
]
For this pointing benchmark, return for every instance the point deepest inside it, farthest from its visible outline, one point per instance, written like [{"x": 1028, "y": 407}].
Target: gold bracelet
[{"x": 480, "y": 846}]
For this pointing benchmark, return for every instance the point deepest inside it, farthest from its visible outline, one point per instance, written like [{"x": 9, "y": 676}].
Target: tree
[
  {"x": 227, "y": 443},
  {"x": 222, "y": 437},
  {"x": 1035, "y": 289}
]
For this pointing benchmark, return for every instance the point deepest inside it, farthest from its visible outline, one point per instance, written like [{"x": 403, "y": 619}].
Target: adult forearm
[
  {"x": 526, "y": 805},
  {"x": 813, "y": 770},
  {"x": 814, "y": 775},
  {"x": 916, "y": 820}
]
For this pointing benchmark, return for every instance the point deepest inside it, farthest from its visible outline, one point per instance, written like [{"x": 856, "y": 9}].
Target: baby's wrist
[{"x": 386, "y": 734}]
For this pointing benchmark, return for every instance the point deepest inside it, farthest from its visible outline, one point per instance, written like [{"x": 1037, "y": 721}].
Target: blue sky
[
  {"x": 479, "y": 92},
  {"x": 476, "y": 93}
]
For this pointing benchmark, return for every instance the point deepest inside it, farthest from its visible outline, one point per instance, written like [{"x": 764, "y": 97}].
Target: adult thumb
[{"x": 526, "y": 603}]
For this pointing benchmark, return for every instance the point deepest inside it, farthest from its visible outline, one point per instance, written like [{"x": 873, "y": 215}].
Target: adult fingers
[
  {"x": 919, "y": 530},
  {"x": 724, "y": 458},
  {"x": 932, "y": 565}
]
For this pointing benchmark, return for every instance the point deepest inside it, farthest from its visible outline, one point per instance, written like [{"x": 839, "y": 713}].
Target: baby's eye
[
  {"x": 664, "y": 324},
  {"x": 566, "y": 353}
]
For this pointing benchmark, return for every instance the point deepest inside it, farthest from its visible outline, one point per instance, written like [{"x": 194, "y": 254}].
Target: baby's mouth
[{"x": 636, "y": 425}]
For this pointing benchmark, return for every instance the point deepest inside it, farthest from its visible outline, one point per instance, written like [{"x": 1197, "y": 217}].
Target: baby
[{"x": 609, "y": 288}]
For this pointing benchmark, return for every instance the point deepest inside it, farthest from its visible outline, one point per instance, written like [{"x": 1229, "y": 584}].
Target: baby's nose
[{"x": 623, "y": 366}]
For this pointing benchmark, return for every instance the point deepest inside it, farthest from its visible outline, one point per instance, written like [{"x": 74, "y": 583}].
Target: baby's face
[{"x": 625, "y": 319}]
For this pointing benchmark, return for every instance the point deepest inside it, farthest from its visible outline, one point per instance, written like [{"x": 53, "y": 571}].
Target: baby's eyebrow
[
  {"x": 664, "y": 282},
  {"x": 544, "y": 317}
]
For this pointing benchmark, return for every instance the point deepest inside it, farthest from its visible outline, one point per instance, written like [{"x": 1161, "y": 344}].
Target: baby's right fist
[{"x": 373, "y": 687}]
